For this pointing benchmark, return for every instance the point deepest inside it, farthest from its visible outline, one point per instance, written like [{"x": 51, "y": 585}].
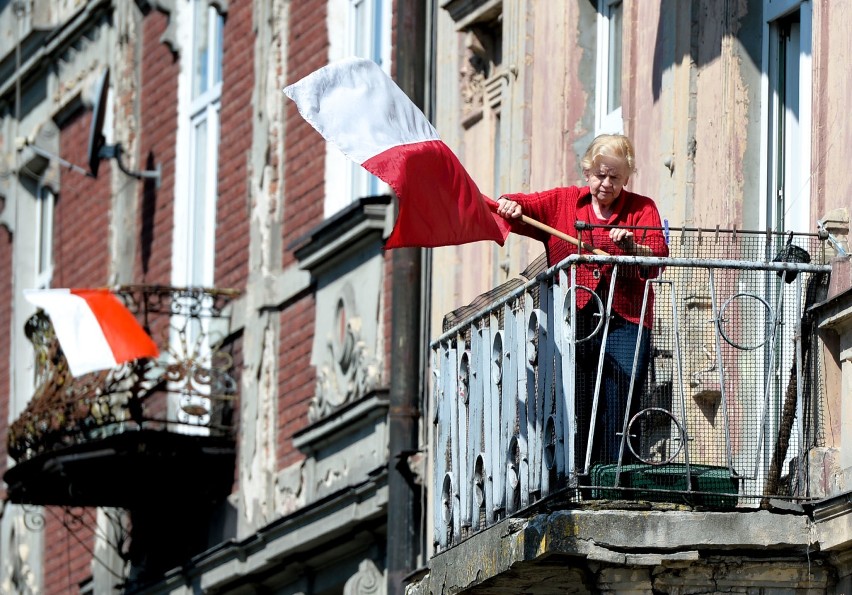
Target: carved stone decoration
[
  {"x": 18, "y": 575},
  {"x": 350, "y": 370},
  {"x": 367, "y": 581},
  {"x": 472, "y": 77},
  {"x": 167, "y": 7}
]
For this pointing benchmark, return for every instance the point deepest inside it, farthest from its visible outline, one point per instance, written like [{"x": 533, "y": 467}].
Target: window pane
[
  {"x": 360, "y": 28},
  {"x": 218, "y": 35},
  {"x": 201, "y": 48},
  {"x": 196, "y": 232},
  {"x": 207, "y": 36},
  {"x": 44, "y": 243},
  {"x": 376, "y": 53}
]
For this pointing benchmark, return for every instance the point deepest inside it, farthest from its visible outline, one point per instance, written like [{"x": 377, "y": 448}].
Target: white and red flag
[
  {"x": 95, "y": 330},
  {"x": 353, "y": 104}
]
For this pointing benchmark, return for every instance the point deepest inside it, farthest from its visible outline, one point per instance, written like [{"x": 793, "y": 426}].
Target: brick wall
[
  {"x": 81, "y": 218},
  {"x": 297, "y": 377},
  {"x": 304, "y": 148},
  {"x": 158, "y": 115},
  {"x": 232, "y": 225},
  {"x": 69, "y": 539},
  {"x": 304, "y": 172}
]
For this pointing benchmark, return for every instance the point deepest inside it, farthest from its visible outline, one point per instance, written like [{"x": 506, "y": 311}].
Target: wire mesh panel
[{"x": 687, "y": 379}]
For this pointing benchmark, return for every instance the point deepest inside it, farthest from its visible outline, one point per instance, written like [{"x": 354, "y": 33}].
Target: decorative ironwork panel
[{"x": 191, "y": 385}]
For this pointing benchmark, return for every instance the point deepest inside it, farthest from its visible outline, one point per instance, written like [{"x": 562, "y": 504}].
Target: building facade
[
  {"x": 733, "y": 109},
  {"x": 147, "y": 147},
  {"x": 329, "y": 417}
]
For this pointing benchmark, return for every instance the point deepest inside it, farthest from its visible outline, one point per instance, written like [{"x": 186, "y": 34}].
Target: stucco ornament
[
  {"x": 18, "y": 576},
  {"x": 472, "y": 83},
  {"x": 367, "y": 581},
  {"x": 350, "y": 370}
]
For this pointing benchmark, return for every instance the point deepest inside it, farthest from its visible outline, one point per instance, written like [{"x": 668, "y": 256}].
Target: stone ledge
[{"x": 585, "y": 541}]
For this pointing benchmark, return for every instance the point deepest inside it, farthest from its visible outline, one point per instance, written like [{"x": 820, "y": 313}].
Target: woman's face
[{"x": 607, "y": 178}]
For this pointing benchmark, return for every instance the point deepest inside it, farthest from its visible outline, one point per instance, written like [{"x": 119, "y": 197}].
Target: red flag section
[{"x": 439, "y": 203}]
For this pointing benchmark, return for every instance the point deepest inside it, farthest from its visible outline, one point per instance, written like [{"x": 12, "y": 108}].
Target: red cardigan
[{"x": 563, "y": 207}]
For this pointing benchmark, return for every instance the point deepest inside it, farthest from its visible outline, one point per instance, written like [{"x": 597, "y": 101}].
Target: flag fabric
[
  {"x": 354, "y": 105},
  {"x": 95, "y": 330}
]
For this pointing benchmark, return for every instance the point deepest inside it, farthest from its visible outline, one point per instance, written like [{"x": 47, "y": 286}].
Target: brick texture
[
  {"x": 297, "y": 378},
  {"x": 304, "y": 188},
  {"x": 81, "y": 218},
  {"x": 232, "y": 222},
  {"x": 69, "y": 541},
  {"x": 304, "y": 148},
  {"x": 158, "y": 115}
]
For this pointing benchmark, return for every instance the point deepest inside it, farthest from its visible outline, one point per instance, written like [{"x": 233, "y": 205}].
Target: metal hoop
[
  {"x": 680, "y": 428},
  {"x": 722, "y": 314},
  {"x": 566, "y": 311}
]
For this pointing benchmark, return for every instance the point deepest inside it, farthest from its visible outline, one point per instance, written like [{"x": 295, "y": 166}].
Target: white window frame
[
  {"x": 797, "y": 165},
  {"x": 345, "y": 181},
  {"x": 193, "y": 257},
  {"x": 608, "y": 120},
  {"x": 43, "y": 237},
  {"x": 194, "y": 237}
]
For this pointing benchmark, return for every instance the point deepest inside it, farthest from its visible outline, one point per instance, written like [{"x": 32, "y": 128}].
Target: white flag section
[
  {"x": 353, "y": 104},
  {"x": 356, "y": 106},
  {"x": 95, "y": 330}
]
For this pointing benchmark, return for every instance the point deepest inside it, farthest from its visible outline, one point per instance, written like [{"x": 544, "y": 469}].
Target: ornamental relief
[
  {"x": 18, "y": 575},
  {"x": 369, "y": 580},
  {"x": 349, "y": 369},
  {"x": 472, "y": 77}
]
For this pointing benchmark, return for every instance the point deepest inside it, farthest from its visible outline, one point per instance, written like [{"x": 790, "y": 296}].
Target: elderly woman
[{"x": 609, "y": 217}]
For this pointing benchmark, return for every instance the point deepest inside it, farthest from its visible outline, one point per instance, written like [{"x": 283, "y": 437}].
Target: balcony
[
  {"x": 139, "y": 434},
  {"x": 719, "y": 407}
]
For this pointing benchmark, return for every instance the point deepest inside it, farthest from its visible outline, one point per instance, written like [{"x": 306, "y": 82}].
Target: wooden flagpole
[{"x": 563, "y": 236}]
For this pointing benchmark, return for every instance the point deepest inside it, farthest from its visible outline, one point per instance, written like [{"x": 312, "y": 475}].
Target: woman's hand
[
  {"x": 508, "y": 209},
  {"x": 624, "y": 239}
]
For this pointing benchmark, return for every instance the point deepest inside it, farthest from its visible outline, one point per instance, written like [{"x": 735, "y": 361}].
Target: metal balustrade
[
  {"x": 189, "y": 389},
  {"x": 722, "y": 416}
]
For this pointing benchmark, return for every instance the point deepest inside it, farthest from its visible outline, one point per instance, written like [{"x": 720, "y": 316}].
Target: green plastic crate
[{"x": 718, "y": 488}]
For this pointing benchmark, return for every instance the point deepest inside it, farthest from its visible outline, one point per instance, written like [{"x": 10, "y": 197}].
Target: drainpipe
[{"x": 403, "y": 528}]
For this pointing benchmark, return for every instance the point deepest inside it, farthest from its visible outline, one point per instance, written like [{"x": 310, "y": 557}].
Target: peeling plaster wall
[
  {"x": 832, "y": 129},
  {"x": 258, "y": 496}
]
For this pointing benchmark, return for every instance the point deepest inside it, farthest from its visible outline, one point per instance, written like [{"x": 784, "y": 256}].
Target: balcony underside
[{"x": 128, "y": 470}]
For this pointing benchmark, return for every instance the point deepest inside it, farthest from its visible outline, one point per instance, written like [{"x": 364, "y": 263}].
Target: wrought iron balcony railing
[
  {"x": 189, "y": 389},
  {"x": 540, "y": 393}
]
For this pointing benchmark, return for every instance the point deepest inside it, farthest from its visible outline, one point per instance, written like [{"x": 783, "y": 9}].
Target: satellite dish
[
  {"x": 98, "y": 149},
  {"x": 96, "y": 135}
]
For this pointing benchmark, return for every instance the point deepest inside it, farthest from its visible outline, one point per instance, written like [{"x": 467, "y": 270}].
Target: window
[
  {"x": 198, "y": 146},
  {"x": 787, "y": 204},
  {"x": 45, "y": 203},
  {"x": 609, "y": 67},
  {"x": 364, "y": 32},
  {"x": 193, "y": 256}
]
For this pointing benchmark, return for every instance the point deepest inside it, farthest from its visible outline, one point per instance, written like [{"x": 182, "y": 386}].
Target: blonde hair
[{"x": 609, "y": 145}]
